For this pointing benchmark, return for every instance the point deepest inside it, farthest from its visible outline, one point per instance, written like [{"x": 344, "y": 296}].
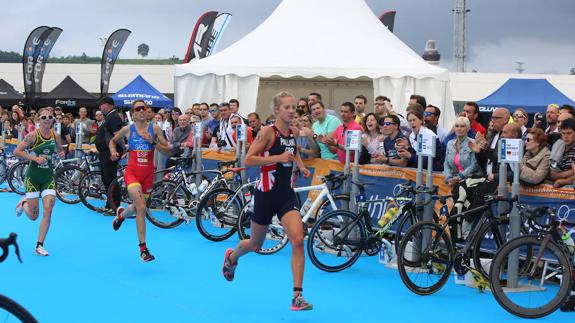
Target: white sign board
[
  {"x": 510, "y": 150},
  {"x": 426, "y": 144},
  {"x": 353, "y": 139},
  {"x": 198, "y": 130},
  {"x": 241, "y": 132},
  {"x": 78, "y": 128}
]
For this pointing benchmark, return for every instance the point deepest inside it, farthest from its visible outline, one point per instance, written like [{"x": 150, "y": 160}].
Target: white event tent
[{"x": 311, "y": 39}]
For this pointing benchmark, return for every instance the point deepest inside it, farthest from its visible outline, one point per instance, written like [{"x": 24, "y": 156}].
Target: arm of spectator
[{"x": 556, "y": 175}]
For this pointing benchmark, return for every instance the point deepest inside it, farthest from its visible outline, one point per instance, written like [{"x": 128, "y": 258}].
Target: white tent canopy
[{"x": 315, "y": 38}]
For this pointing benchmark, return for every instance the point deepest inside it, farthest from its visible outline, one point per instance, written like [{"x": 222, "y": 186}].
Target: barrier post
[
  {"x": 242, "y": 139},
  {"x": 353, "y": 142},
  {"x": 79, "y": 134},
  {"x": 20, "y": 133},
  {"x": 426, "y": 145},
  {"x": 3, "y": 143},
  {"x": 198, "y": 151},
  {"x": 511, "y": 152},
  {"x": 347, "y": 183}
]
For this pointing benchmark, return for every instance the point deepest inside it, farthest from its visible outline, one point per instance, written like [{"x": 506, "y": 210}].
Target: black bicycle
[
  {"x": 12, "y": 310},
  {"x": 428, "y": 253},
  {"x": 543, "y": 262}
]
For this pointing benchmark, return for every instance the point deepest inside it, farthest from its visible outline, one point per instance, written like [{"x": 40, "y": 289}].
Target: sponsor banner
[
  {"x": 31, "y": 50},
  {"x": 42, "y": 59},
  {"x": 110, "y": 55},
  {"x": 386, "y": 178},
  {"x": 206, "y": 35}
]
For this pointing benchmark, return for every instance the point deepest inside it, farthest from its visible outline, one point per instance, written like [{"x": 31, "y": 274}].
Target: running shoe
[
  {"x": 118, "y": 219},
  {"x": 300, "y": 304},
  {"x": 40, "y": 251},
  {"x": 20, "y": 207},
  {"x": 228, "y": 268},
  {"x": 146, "y": 256}
]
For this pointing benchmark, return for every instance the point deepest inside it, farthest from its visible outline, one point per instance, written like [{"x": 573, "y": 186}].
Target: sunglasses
[
  {"x": 428, "y": 114},
  {"x": 212, "y": 111},
  {"x": 516, "y": 116},
  {"x": 46, "y": 117},
  {"x": 188, "y": 113},
  {"x": 139, "y": 108},
  {"x": 301, "y": 106},
  {"x": 387, "y": 123}
]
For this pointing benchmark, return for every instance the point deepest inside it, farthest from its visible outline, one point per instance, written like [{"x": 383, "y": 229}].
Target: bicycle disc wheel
[
  {"x": 336, "y": 241},
  {"x": 67, "y": 181},
  {"x": 16, "y": 175},
  {"x": 545, "y": 283},
  {"x": 92, "y": 192},
  {"x": 10, "y": 311},
  {"x": 165, "y": 202},
  {"x": 217, "y": 214},
  {"x": 276, "y": 238},
  {"x": 485, "y": 247},
  {"x": 429, "y": 252}
]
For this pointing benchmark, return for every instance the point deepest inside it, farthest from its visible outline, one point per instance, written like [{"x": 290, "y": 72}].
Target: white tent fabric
[{"x": 312, "y": 38}]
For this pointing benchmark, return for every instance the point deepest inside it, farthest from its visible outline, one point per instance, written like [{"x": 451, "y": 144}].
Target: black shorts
[{"x": 275, "y": 202}]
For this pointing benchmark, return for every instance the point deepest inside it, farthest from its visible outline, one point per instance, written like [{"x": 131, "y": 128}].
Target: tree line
[{"x": 14, "y": 57}]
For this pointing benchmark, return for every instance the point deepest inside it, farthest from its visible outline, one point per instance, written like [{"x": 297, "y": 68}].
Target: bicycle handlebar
[{"x": 5, "y": 243}]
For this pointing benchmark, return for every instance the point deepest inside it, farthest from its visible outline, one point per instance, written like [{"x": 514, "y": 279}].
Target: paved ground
[{"x": 94, "y": 274}]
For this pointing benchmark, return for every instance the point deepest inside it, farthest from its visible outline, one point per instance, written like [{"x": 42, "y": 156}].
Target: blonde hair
[
  {"x": 277, "y": 99},
  {"x": 462, "y": 120}
]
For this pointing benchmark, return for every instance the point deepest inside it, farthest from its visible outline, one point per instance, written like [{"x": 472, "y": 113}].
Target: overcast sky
[{"x": 540, "y": 33}]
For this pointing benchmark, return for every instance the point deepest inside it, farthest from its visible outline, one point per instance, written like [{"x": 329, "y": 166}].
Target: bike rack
[
  {"x": 510, "y": 152},
  {"x": 352, "y": 143},
  {"x": 198, "y": 136},
  {"x": 242, "y": 138}
]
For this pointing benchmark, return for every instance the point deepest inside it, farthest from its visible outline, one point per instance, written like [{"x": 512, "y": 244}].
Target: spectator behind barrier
[
  {"x": 562, "y": 173},
  {"x": 534, "y": 166},
  {"x": 460, "y": 161}
]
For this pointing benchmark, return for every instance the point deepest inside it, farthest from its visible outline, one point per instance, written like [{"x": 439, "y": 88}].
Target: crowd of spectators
[{"x": 465, "y": 149}]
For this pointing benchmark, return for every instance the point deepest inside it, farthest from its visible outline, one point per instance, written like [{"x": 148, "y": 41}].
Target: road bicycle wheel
[
  {"x": 67, "y": 180},
  {"x": 430, "y": 255},
  {"x": 325, "y": 206},
  {"x": 336, "y": 241},
  {"x": 16, "y": 175},
  {"x": 3, "y": 170},
  {"x": 276, "y": 238},
  {"x": 165, "y": 203},
  {"x": 546, "y": 283},
  {"x": 218, "y": 213},
  {"x": 92, "y": 192},
  {"x": 485, "y": 247},
  {"x": 10, "y": 311}
]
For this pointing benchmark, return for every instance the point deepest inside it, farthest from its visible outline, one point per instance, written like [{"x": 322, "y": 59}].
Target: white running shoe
[
  {"x": 40, "y": 251},
  {"x": 20, "y": 206}
]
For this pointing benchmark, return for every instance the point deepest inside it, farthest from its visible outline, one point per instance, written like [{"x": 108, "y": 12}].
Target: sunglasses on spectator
[
  {"x": 49, "y": 117},
  {"x": 387, "y": 123},
  {"x": 212, "y": 111},
  {"x": 188, "y": 113},
  {"x": 301, "y": 106},
  {"x": 428, "y": 114},
  {"x": 518, "y": 116},
  {"x": 139, "y": 108}
]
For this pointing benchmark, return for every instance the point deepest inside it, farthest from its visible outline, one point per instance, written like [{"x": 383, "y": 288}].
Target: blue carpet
[{"x": 94, "y": 274}]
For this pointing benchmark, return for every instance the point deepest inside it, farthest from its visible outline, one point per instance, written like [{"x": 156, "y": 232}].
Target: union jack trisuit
[{"x": 274, "y": 193}]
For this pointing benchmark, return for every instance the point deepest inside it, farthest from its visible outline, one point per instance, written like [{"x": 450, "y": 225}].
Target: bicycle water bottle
[
  {"x": 390, "y": 214},
  {"x": 306, "y": 205},
  {"x": 569, "y": 241},
  {"x": 193, "y": 188},
  {"x": 203, "y": 185}
]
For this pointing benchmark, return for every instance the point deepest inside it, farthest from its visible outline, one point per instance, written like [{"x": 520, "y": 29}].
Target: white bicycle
[{"x": 326, "y": 201}]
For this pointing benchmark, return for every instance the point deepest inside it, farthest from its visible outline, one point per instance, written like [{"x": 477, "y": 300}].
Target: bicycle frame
[{"x": 324, "y": 191}]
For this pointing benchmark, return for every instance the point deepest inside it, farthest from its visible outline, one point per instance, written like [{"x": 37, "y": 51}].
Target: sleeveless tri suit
[{"x": 140, "y": 168}]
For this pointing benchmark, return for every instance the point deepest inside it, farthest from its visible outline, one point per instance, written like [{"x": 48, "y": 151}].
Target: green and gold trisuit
[{"x": 41, "y": 177}]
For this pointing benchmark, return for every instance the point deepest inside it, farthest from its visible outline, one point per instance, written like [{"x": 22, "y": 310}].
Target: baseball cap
[{"x": 107, "y": 100}]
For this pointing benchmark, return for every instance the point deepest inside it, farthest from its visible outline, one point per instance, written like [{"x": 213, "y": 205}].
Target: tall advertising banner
[
  {"x": 31, "y": 50},
  {"x": 206, "y": 35},
  {"x": 42, "y": 59},
  {"x": 388, "y": 18},
  {"x": 110, "y": 55}
]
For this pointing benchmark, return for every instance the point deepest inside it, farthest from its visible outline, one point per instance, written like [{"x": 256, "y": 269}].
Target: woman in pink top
[{"x": 460, "y": 161}]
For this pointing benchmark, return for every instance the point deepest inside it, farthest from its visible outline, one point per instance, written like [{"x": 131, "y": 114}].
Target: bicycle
[
  {"x": 6, "y": 161},
  {"x": 12, "y": 308},
  {"x": 545, "y": 264},
  {"x": 175, "y": 199},
  {"x": 93, "y": 194},
  {"x": 428, "y": 249},
  {"x": 67, "y": 177},
  {"x": 338, "y": 239},
  {"x": 326, "y": 201}
]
